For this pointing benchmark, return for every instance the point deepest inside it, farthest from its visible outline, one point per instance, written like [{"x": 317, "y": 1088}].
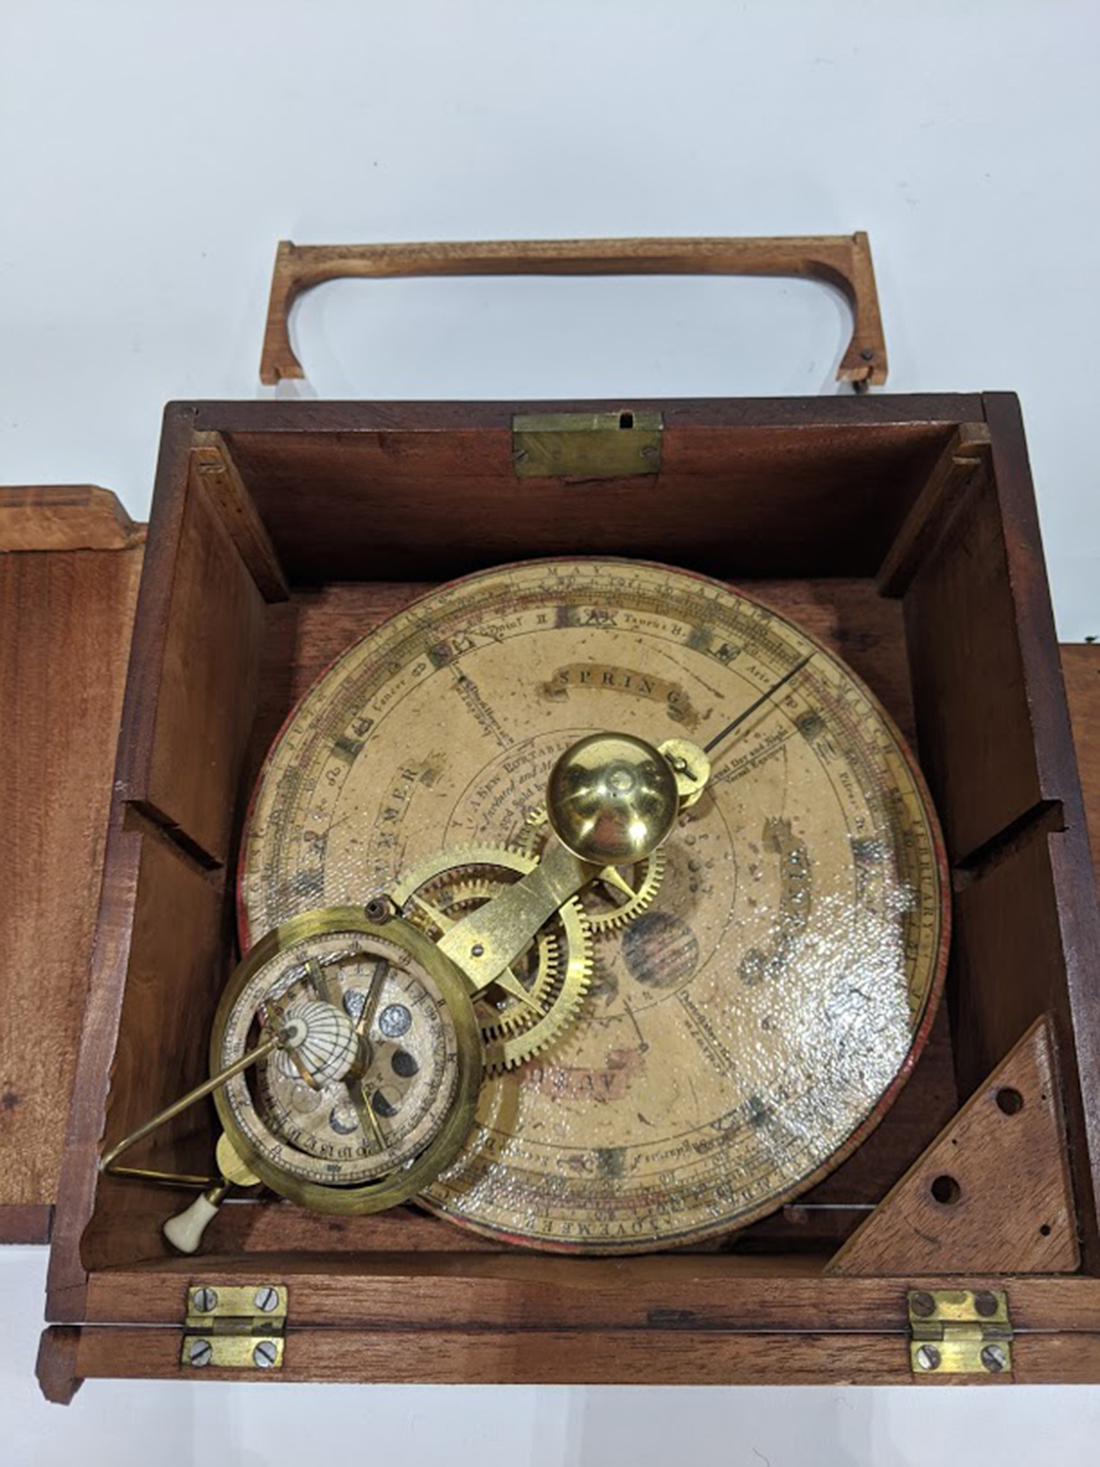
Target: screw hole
[
  {"x": 1010, "y": 1101},
  {"x": 945, "y": 1189},
  {"x": 626, "y": 420},
  {"x": 1046, "y": 1230}
]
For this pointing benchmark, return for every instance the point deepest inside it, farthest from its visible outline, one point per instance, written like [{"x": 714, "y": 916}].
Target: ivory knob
[{"x": 185, "y": 1230}]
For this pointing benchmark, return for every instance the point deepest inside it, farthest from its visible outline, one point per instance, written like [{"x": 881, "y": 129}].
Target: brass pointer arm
[
  {"x": 610, "y": 798},
  {"x": 487, "y": 942},
  {"x": 327, "y": 987},
  {"x": 364, "y": 1103}
]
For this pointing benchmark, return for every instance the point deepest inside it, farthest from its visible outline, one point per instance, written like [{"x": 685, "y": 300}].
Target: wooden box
[{"x": 902, "y": 531}]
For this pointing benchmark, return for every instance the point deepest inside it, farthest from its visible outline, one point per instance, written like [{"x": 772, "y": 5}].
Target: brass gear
[
  {"x": 637, "y": 898},
  {"x": 467, "y": 895},
  {"x": 425, "y": 892}
]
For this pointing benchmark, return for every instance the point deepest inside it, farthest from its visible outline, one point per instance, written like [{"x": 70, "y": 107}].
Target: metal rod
[
  {"x": 751, "y": 709},
  {"x": 173, "y": 1110},
  {"x": 166, "y": 1179}
]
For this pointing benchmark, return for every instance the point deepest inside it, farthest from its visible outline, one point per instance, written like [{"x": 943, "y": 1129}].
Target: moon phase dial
[{"x": 757, "y": 991}]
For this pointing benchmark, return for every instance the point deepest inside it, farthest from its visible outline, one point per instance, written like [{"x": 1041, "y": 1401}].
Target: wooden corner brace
[
  {"x": 992, "y": 1194},
  {"x": 212, "y": 467},
  {"x": 843, "y": 261}
]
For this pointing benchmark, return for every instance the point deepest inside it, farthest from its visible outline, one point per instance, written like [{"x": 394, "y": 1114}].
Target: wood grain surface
[
  {"x": 976, "y": 735},
  {"x": 1072, "y": 978},
  {"x": 671, "y": 1290},
  {"x": 1081, "y": 671},
  {"x": 172, "y": 989},
  {"x": 213, "y": 467},
  {"x": 552, "y": 1357},
  {"x": 65, "y": 517},
  {"x": 991, "y": 1194},
  {"x": 67, "y": 1278},
  {"x": 66, "y": 615},
  {"x": 843, "y": 261},
  {"x": 208, "y": 681},
  {"x": 56, "y": 1365},
  {"x": 731, "y": 499},
  {"x": 962, "y": 466}
]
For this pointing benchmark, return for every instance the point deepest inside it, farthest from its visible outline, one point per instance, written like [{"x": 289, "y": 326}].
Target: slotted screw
[
  {"x": 928, "y": 1357},
  {"x": 264, "y": 1354},
  {"x": 204, "y": 1300},
  {"x": 985, "y": 1304},
  {"x": 994, "y": 1358},
  {"x": 201, "y": 1352},
  {"x": 922, "y": 1304},
  {"x": 266, "y": 1298}
]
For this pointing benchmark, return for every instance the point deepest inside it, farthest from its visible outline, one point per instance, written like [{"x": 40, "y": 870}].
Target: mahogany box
[{"x": 901, "y": 530}]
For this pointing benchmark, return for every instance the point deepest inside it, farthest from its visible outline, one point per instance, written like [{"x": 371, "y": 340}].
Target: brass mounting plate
[
  {"x": 234, "y": 1327},
  {"x": 613, "y": 445},
  {"x": 959, "y": 1332}
]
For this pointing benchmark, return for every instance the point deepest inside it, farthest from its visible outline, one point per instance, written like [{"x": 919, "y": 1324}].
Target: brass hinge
[
  {"x": 234, "y": 1328},
  {"x": 614, "y": 445},
  {"x": 959, "y": 1332}
]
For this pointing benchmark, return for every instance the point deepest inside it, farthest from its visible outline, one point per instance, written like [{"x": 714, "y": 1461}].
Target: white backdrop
[{"x": 153, "y": 153}]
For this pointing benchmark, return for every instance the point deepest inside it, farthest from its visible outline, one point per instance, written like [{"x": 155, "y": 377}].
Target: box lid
[{"x": 70, "y": 561}]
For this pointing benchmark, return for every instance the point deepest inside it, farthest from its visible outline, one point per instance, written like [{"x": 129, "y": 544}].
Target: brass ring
[{"x": 408, "y": 1180}]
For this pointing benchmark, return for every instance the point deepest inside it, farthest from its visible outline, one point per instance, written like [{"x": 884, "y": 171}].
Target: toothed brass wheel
[
  {"x": 499, "y": 1010},
  {"x": 619, "y": 893},
  {"x": 528, "y": 1007}
]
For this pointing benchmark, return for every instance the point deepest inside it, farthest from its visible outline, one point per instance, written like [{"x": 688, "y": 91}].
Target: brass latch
[
  {"x": 234, "y": 1328},
  {"x": 959, "y": 1332},
  {"x": 612, "y": 445}
]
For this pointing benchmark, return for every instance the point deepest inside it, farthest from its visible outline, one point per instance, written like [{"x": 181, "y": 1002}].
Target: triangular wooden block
[{"x": 991, "y": 1194}]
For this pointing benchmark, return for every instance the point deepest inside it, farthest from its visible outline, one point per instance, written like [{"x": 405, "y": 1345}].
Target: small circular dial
[
  {"x": 756, "y": 1008},
  {"x": 387, "y": 1071}
]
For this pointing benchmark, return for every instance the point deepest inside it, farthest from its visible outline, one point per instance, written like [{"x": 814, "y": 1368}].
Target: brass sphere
[{"x": 612, "y": 798}]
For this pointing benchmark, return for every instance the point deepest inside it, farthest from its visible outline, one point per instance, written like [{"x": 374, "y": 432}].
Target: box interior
[{"x": 362, "y": 522}]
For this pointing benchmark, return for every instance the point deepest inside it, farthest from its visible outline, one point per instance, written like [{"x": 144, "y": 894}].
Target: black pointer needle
[{"x": 763, "y": 698}]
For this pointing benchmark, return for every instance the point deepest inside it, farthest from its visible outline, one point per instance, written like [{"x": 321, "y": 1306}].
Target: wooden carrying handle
[{"x": 841, "y": 260}]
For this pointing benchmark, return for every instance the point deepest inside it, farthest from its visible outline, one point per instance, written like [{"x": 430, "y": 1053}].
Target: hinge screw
[
  {"x": 994, "y": 1358},
  {"x": 264, "y": 1354},
  {"x": 267, "y": 1299},
  {"x": 922, "y": 1304},
  {"x": 985, "y": 1304},
  {"x": 201, "y": 1352},
  {"x": 205, "y": 1300},
  {"x": 649, "y": 451},
  {"x": 520, "y": 455},
  {"x": 928, "y": 1357}
]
